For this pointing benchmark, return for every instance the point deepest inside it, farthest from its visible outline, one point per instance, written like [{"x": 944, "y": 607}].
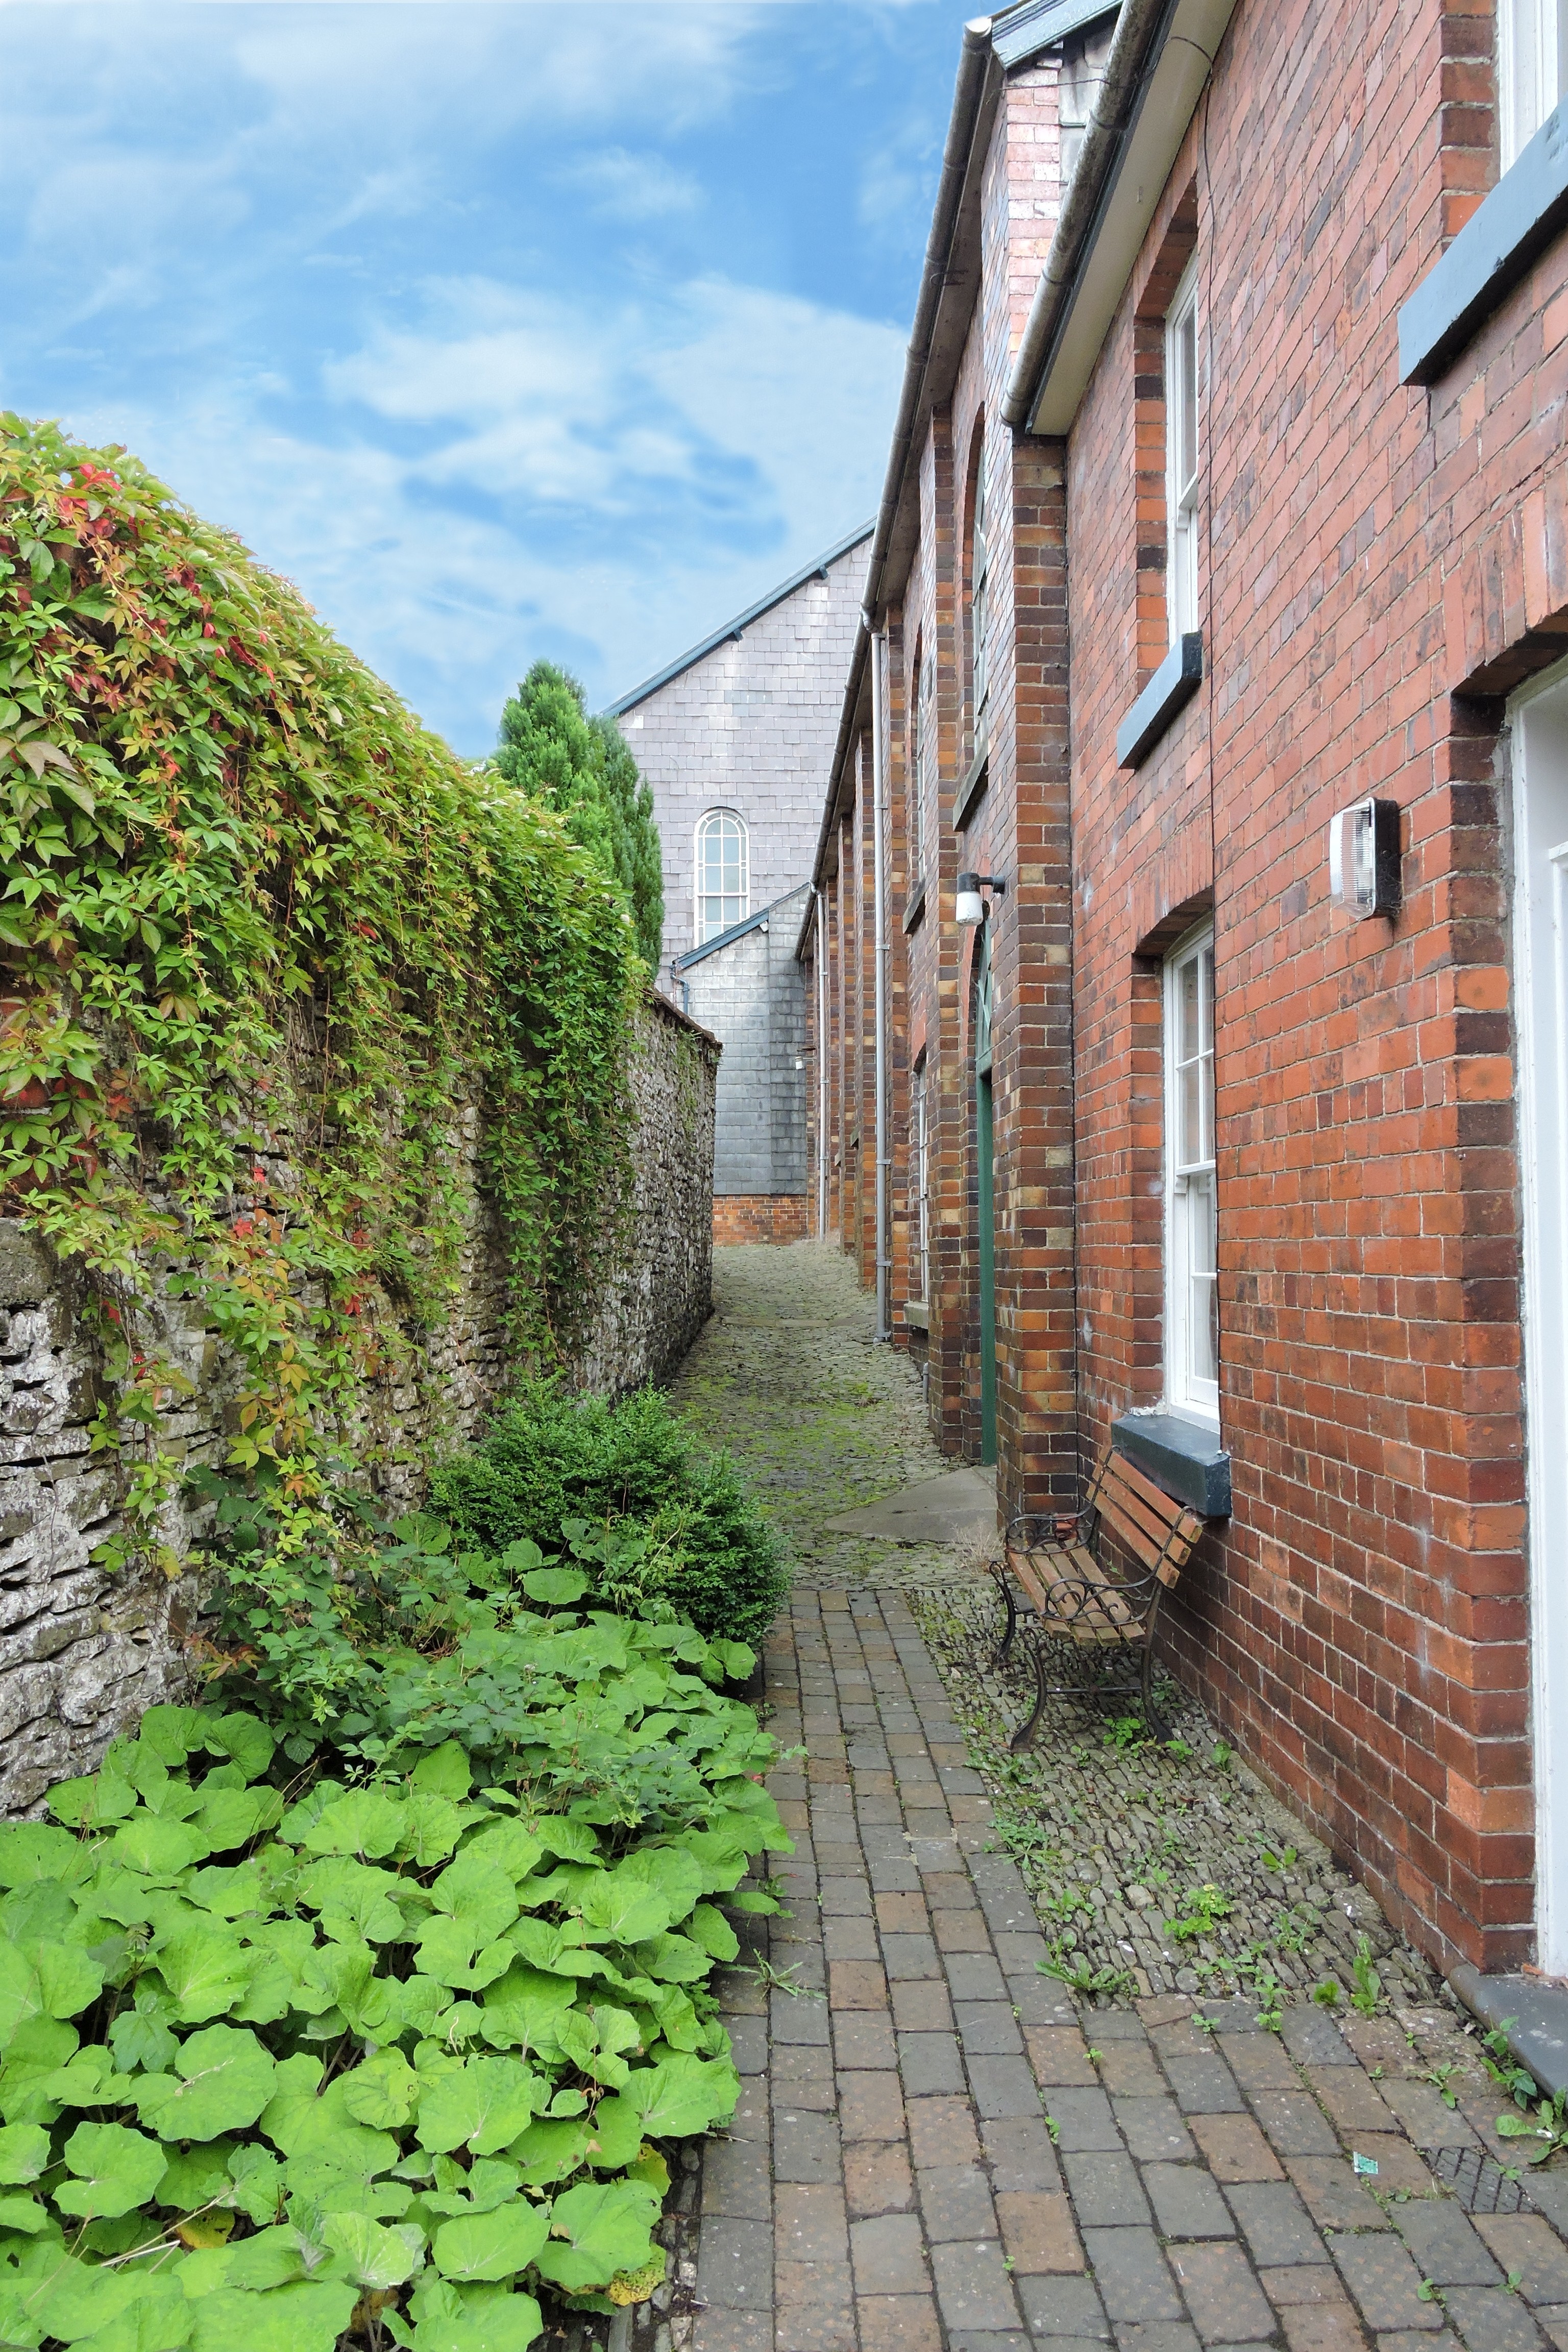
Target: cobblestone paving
[
  {"x": 938, "y": 2149},
  {"x": 790, "y": 1377}
]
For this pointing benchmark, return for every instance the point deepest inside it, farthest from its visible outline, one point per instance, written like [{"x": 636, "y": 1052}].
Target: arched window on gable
[{"x": 723, "y": 873}]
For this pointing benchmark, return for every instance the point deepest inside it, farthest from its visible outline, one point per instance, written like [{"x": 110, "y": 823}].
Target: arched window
[{"x": 723, "y": 873}]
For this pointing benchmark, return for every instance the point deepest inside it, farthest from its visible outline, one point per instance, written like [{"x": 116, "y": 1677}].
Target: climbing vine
[{"x": 273, "y": 956}]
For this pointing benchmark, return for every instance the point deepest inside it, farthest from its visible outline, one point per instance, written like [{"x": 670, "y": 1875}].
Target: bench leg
[
  {"x": 1025, "y": 1730},
  {"x": 1011, "y": 1627},
  {"x": 1150, "y": 1715}
]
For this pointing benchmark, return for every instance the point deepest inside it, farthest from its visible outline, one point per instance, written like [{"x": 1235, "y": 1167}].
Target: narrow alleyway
[{"x": 938, "y": 2147}]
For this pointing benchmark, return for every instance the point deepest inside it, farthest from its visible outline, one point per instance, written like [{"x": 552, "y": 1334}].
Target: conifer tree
[{"x": 552, "y": 749}]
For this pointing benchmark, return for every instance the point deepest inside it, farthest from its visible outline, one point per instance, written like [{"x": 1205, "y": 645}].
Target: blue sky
[{"x": 502, "y": 329}]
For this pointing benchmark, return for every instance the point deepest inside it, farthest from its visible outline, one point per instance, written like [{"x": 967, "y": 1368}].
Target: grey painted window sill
[
  {"x": 915, "y": 909},
  {"x": 1496, "y": 247},
  {"x": 1185, "y": 1458},
  {"x": 1173, "y": 686},
  {"x": 917, "y": 1313}
]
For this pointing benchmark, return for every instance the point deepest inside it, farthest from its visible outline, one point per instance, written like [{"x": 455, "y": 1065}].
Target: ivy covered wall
[{"x": 324, "y": 1066}]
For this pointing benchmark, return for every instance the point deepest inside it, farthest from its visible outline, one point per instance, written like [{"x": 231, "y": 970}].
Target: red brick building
[{"x": 1229, "y": 497}]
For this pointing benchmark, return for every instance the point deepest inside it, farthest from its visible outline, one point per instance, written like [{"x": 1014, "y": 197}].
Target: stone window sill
[
  {"x": 917, "y": 1313},
  {"x": 1496, "y": 247},
  {"x": 972, "y": 789},
  {"x": 1173, "y": 686},
  {"x": 1185, "y": 1457}
]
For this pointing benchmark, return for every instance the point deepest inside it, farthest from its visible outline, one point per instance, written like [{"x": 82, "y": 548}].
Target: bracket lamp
[
  {"x": 1364, "y": 858},
  {"x": 971, "y": 907}
]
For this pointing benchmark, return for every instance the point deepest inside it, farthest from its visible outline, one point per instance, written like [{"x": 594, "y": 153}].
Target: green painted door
[{"x": 987, "y": 1204}]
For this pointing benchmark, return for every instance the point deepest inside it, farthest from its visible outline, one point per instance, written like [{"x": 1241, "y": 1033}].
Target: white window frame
[
  {"x": 1189, "y": 1193},
  {"x": 979, "y": 602},
  {"x": 1184, "y": 454},
  {"x": 703, "y": 928},
  {"x": 1533, "y": 66},
  {"x": 920, "y": 1178}
]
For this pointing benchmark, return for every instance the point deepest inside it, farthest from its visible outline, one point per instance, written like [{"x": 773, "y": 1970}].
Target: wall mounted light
[
  {"x": 971, "y": 907},
  {"x": 1364, "y": 858}
]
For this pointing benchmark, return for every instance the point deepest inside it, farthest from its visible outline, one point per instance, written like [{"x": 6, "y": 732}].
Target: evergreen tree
[{"x": 551, "y": 749}]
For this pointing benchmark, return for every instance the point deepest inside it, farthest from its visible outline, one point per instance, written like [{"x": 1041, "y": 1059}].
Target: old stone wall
[{"x": 82, "y": 1651}]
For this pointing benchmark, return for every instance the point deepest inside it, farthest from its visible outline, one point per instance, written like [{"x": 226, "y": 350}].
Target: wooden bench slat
[
  {"x": 1170, "y": 1512},
  {"x": 1166, "y": 1527},
  {"x": 1150, "y": 1549}
]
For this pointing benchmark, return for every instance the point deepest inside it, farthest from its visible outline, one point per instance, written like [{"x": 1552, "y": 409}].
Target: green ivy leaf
[
  {"x": 491, "y": 2245},
  {"x": 115, "y": 2169}
]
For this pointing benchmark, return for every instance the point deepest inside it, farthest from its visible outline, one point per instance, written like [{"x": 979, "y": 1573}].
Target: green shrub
[
  {"x": 390, "y": 2058},
  {"x": 550, "y": 1457}
]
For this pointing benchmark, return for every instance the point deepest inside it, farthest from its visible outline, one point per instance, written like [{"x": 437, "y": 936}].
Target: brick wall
[{"x": 1380, "y": 565}]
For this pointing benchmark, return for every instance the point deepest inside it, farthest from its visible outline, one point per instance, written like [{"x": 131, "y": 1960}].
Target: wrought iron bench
[{"x": 1083, "y": 1601}]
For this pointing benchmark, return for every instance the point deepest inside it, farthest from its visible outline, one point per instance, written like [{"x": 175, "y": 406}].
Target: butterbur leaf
[
  {"x": 206, "y": 1969},
  {"x": 157, "y": 2323},
  {"x": 88, "y": 2079},
  {"x": 623, "y": 1906},
  {"x": 38, "y": 2047},
  {"x": 156, "y": 1847},
  {"x": 373, "y": 2257},
  {"x": 138, "y": 2040},
  {"x": 54, "y": 1980},
  {"x": 483, "y": 2108},
  {"x": 557, "y": 1588},
  {"x": 24, "y": 2152},
  {"x": 174, "y": 1732},
  {"x": 258, "y": 2184},
  {"x": 229, "y": 1818},
  {"x": 309, "y": 2316},
  {"x": 709, "y": 1927},
  {"x": 364, "y": 1823},
  {"x": 444, "y": 1772},
  {"x": 115, "y": 2169},
  {"x": 195, "y": 2175},
  {"x": 615, "y": 2135},
  {"x": 356, "y": 1892},
  {"x": 499, "y": 2322},
  {"x": 223, "y": 2079},
  {"x": 674, "y": 1960},
  {"x": 478, "y": 1893},
  {"x": 508, "y": 1846},
  {"x": 683, "y": 2095},
  {"x": 432, "y": 1825},
  {"x": 494, "y": 2246},
  {"x": 245, "y": 1739},
  {"x": 31, "y": 1850},
  {"x": 595, "y": 2231},
  {"x": 383, "y": 2091},
  {"x": 676, "y": 1874},
  {"x": 75, "y": 2300}
]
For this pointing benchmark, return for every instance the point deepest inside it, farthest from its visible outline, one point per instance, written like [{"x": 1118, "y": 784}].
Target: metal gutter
[
  {"x": 979, "y": 81},
  {"x": 1160, "y": 61},
  {"x": 737, "y": 627},
  {"x": 1019, "y": 34},
  {"x": 1140, "y": 29}
]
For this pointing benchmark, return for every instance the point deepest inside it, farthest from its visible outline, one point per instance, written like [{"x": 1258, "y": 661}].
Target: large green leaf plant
[{"x": 390, "y": 2057}]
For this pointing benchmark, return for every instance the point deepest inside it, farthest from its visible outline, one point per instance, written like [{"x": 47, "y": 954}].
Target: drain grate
[{"x": 1480, "y": 2186}]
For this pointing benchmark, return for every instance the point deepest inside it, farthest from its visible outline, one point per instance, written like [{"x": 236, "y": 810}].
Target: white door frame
[{"x": 1539, "y": 760}]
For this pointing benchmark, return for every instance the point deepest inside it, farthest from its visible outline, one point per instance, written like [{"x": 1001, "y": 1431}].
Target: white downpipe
[
  {"x": 821, "y": 1064},
  {"x": 879, "y": 932}
]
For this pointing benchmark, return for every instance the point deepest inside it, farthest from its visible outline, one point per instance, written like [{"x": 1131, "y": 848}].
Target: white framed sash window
[{"x": 1191, "y": 1308}]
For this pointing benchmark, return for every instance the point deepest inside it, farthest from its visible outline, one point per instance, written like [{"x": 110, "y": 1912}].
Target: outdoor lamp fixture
[
  {"x": 1364, "y": 858},
  {"x": 971, "y": 907}
]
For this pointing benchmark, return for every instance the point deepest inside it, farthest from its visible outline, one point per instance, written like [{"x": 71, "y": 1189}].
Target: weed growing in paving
[{"x": 1156, "y": 1865}]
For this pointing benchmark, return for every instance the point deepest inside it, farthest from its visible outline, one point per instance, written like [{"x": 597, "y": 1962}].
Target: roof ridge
[{"x": 740, "y": 622}]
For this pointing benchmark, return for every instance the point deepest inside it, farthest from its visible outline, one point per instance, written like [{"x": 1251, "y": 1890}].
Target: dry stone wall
[{"x": 81, "y": 1652}]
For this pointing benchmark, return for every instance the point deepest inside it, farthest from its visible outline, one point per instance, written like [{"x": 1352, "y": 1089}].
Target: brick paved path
[{"x": 938, "y": 2158}]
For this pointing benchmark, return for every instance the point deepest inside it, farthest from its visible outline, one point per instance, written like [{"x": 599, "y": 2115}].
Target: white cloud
[
  {"x": 623, "y": 186},
  {"x": 603, "y": 488}
]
